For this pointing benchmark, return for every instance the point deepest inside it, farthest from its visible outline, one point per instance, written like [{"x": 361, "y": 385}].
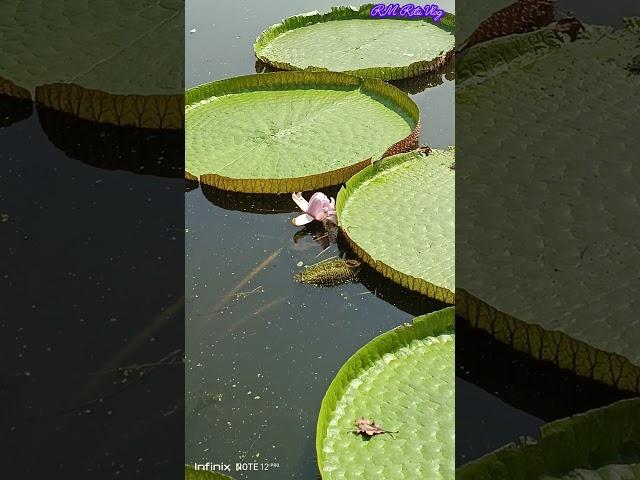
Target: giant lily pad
[
  {"x": 92, "y": 60},
  {"x": 549, "y": 263},
  {"x": 402, "y": 380},
  {"x": 398, "y": 216},
  {"x": 602, "y": 444},
  {"x": 348, "y": 39},
  {"x": 293, "y": 131}
]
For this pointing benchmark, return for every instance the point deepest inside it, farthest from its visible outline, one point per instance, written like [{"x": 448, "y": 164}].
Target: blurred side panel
[
  {"x": 92, "y": 234},
  {"x": 547, "y": 226}
]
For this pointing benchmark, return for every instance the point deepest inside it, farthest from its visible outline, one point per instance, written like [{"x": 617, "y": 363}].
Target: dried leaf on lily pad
[{"x": 369, "y": 427}]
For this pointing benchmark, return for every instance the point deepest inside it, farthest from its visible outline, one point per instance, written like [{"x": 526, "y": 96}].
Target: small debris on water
[
  {"x": 330, "y": 272},
  {"x": 299, "y": 264}
]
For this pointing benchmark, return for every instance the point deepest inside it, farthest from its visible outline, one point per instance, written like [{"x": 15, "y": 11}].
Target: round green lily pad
[
  {"x": 403, "y": 382},
  {"x": 398, "y": 216},
  {"x": 601, "y": 444},
  {"x": 92, "y": 60},
  {"x": 293, "y": 131},
  {"x": 349, "y": 39}
]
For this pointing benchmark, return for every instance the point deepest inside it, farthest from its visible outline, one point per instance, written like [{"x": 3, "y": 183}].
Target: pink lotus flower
[{"x": 319, "y": 207}]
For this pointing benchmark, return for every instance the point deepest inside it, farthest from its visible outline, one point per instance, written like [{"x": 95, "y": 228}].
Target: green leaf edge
[
  {"x": 191, "y": 474},
  {"x": 632, "y": 24},
  {"x": 12, "y": 89},
  {"x": 520, "y": 18},
  {"x": 554, "y": 346},
  {"x": 589, "y": 440},
  {"x": 414, "y": 69},
  {"x": 420, "y": 285},
  {"x": 142, "y": 111},
  {"x": 286, "y": 81},
  {"x": 441, "y": 322},
  {"x": 494, "y": 57}
]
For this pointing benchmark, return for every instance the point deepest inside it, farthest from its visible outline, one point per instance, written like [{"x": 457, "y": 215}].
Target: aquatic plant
[
  {"x": 601, "y": 444},
  {"x": 329, "y": 273},
  {"x": 398, "y": 216},
  {"x": 404, "y": 379},
  {"x": 550, "y": 285},
  {"x": 319, "y": 208},
  {"x": 489, "y": 19},
  {"x": 350, "y": 40},
  {"x": 50, "y": 55},
  {"x": 287, "y": 132}
]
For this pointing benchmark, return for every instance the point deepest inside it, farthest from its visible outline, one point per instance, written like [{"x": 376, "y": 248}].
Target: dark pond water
[
  {"x": 88, "y": 282},
  {"x": 262, "y": 349}
]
